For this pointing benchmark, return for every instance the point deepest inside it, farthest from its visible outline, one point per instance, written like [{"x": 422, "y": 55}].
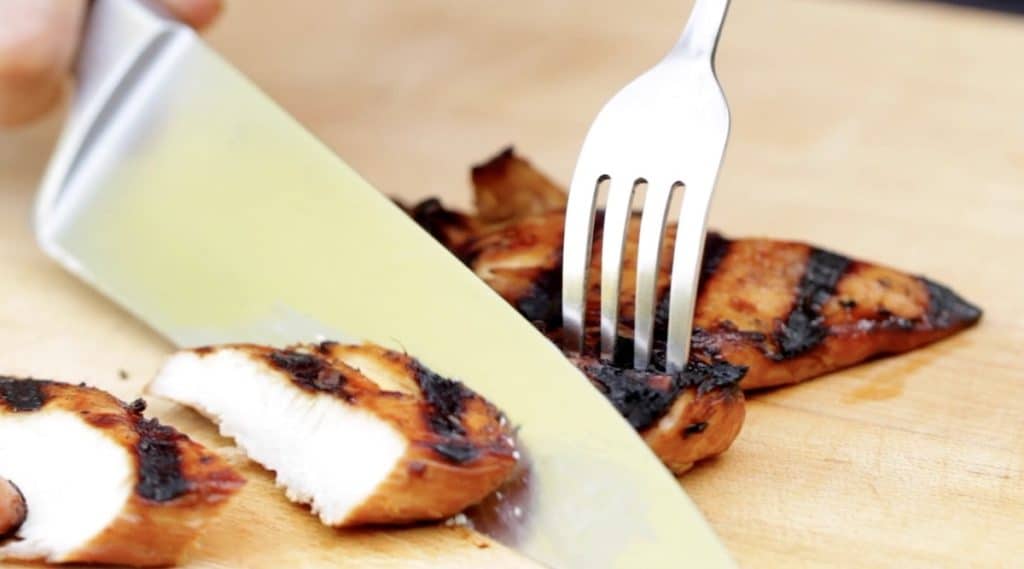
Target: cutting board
[{"x": 890, "y": 131}]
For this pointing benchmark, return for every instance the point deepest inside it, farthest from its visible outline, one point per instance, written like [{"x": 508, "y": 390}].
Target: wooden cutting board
[{"x": 890, "y": 131}]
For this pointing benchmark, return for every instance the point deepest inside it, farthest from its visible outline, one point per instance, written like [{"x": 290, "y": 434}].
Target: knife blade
[{"x": 185, "y": 194}]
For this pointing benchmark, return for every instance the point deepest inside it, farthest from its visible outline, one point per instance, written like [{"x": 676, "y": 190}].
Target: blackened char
[
  {"x": 805, "y": 326},
  {"x": 542, "y": 303},
  {"x": 446, "y": 398},
  {"x": 946, "y": 308},
  {"x": 22, "y": 394},
  {"x": 310, "y": 372},
  {"x": 160, "y": 476},
  {"x": 643, "y": 397}
]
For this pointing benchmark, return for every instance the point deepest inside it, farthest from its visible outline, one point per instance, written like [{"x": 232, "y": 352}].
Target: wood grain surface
[{"x": 891, "y": 131}]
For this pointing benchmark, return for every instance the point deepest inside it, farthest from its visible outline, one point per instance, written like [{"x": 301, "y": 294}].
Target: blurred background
[
  {"x": 848, "y": 92},
  {"x": 890, "y": 130}
]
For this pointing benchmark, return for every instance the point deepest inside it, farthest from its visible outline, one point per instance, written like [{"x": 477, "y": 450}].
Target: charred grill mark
[
  {"x": 640, "y": 397},
  {"x": 805, "y": 326},
  {"x": 946, "y": 309},
  {"x": 542, "y": 303},
  {"x": 716, "y": 248},
  {"x": 303, "y": 367},
  {"x": 709, "y": 376},
  {"x": 643, "y": 397},
  {"x": 442, "y": 224},
  {"x": 310, "y": 372},
  {"x": 707, "y": 369},
  {"x": 160, "y": 476},
  {"x": 446, "y": 399},
  {"x": 433, "y": 217},
  {"x": 22, "y": 395}
]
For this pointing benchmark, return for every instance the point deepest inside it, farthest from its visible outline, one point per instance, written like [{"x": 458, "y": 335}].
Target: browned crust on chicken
[
  {"x": 461, "y": 447},
  {"x": 710, "y": 422},
  {"x": 12, "y": 509},
  {"x": 508, "y": 188},
  {"x": 449, "y": 227},
  {"x": 790, "y": 312},
  {"x": 782, "y": 312},
  {"x": 785, "y": 310},
  {"x": 683, "y": 417},
  {"x": 179, "y": 486}
]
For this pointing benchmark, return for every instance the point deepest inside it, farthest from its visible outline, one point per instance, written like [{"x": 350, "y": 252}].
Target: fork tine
[
  {"x": 648, "y": 265},
  {"x": 579, "y": 233},
  {"x": 616, "y": 220},
  {"x": 686, "y": 261},
  {"x": 672, "y": 123}
]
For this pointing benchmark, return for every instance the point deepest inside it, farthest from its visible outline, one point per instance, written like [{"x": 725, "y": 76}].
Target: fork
[{"x": 667, "y": 129}]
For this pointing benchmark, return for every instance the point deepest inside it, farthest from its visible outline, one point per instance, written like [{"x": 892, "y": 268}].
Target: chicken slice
[
  {"x": 362, "y": 434},
  {"x": 100, "y": 483},
  {"x": 768, "y": 312},
  {"x": 786, "y": 311}
]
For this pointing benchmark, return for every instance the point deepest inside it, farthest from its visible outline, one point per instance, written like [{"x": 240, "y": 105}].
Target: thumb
[
  {"x": 197, "y": 13},
  {"x": 38, "y": 39}
]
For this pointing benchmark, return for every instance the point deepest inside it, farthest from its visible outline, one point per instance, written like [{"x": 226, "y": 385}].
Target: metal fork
[{"x": 666, "y": 129}]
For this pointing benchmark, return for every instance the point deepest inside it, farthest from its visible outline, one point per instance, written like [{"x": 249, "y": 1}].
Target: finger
[
  {"x": 12, "y": 509},
  {"x": 196, "y": 13},
  {"x": 37, "y": 42}
]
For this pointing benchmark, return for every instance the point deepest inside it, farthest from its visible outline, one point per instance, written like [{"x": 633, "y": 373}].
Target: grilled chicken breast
[
  {"x": 768, "y": 312},
  {"x": 98, "y": 482},
  {"x": 362, "y": 434}
]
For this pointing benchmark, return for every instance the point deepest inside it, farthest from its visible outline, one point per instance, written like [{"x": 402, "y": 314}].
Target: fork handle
[{"x": 700, "y": 37}]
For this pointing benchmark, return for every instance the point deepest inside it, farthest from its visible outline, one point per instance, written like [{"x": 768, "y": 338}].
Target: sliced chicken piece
[
  {"x": 786, "y": 311},
  {"x": 362, "y": 434},
  {"x": 449, "y": 227},
  {"x": 768, "y": 312},
  {"x": 101, "y": 483},
  {"x": 506, "y": 189},
  {"x": 683, "y": 417},
  {"x": 12, "y": 510}
]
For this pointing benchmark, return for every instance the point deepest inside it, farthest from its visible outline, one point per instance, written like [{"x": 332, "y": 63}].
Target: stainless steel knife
[{"x": 185, "y": 194}]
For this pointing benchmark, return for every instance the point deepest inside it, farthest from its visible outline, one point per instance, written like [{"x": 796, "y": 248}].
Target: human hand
[{"x": 38, "y": 40}]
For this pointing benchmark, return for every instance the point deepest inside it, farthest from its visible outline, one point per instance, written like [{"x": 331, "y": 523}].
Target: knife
[{"x": 186, "y": 195}]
